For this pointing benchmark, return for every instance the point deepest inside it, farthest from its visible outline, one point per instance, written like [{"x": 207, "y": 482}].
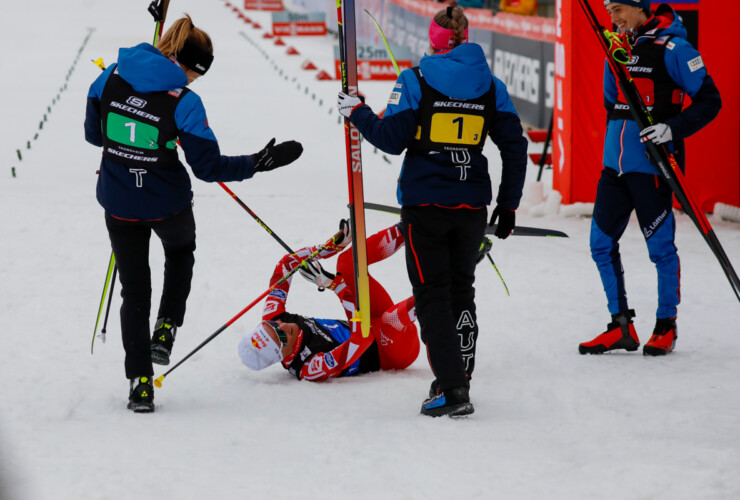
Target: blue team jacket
[
  {"x": 623, "y": 150},
  {"x": 165, "y": 191},
  {"x": 460, "y": 73}
]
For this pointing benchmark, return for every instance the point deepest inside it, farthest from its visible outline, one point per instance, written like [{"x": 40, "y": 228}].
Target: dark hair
[{"x": 453, "y": 18}]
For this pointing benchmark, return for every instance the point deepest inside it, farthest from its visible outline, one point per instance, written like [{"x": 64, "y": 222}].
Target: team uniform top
[
  {"x": 664, "y": 67},
  {"x": 137, "y": 110},
  {"x": 441, "y": 112}
]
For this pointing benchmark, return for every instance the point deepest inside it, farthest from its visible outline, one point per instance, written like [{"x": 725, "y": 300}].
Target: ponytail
[
  {"x": 453, "y": 18},
  {"x": 183, "y": 30}
]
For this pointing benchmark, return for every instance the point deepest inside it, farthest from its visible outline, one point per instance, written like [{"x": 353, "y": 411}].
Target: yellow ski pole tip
[{"x": 158, "y": 381}]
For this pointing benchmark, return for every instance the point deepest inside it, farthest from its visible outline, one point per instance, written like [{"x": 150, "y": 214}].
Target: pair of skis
[{"x": 660, "y": 154}]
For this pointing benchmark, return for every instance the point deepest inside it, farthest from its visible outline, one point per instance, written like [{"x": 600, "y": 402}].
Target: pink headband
[{"x": 443, "y": 38}]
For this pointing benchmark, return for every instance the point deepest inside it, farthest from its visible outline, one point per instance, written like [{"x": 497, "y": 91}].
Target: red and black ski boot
[
  {"x": 664, "y": 338},
  {"x": 619, "y": 334}
]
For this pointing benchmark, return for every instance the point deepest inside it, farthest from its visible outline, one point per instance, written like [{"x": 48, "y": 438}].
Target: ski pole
[
  {"x": 107, "y": 308},
  {"x": 380, "y": 30},
  {"x": 261, "y": 223},
  {"x": 111, "y": 268},
  {"x": 499, "y": 274},
  {"x": 158, "y": 10},
  {"x": 254, "y": 216},
  {"x": 543, "y": 158},
  {"x": 661, "y": 156},
  {"x": 158, "y": 380}
]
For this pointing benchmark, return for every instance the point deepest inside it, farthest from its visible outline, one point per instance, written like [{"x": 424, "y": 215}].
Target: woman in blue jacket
[
  {"x": 138, "y": 110},
  {"x": 440, "y": 113},
  {"x": 665, "y": 68}
]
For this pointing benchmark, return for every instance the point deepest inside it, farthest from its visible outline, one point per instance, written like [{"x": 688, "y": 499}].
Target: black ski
[
  {"x": 518, "y": 230},
  {"x": 660, "y": 155}
]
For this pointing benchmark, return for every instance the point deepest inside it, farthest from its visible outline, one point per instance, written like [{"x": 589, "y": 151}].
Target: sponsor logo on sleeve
[
  {"x": 316, "y": 365},
  {"x": 395, "y": 98},
  {"x": 279, "y": 294},
  {"x": 305, "y": 353},
  {"x": 696, "y": 64},
  {"x": 670, "y": 45},
  {"x": 329, "y": 360}
]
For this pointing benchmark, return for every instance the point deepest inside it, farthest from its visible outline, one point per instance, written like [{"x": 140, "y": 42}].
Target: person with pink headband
[{"x": 440, "y": 114}]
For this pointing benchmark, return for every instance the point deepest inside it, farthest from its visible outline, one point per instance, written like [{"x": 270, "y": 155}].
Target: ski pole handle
[{"x": 619, "y": 47}]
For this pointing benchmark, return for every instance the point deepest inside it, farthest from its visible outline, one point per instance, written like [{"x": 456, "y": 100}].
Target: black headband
[
  {"x": 449, "y": 12},
  {"x": 195, "y": 58}
]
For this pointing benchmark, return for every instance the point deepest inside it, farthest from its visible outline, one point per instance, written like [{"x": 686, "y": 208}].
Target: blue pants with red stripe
[{"x": 652, "y": 200}]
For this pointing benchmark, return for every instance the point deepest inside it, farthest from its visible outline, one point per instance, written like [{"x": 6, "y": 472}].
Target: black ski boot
[
  {"x": 141, "y": 395},
  {"x": 162, "y": 340},
  {"x": 452, "y": 402}
]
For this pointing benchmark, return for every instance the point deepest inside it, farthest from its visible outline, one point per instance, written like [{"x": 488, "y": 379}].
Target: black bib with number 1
[
  {"x": 139, "y": 128},
  {"x": 447, "y": 124}
]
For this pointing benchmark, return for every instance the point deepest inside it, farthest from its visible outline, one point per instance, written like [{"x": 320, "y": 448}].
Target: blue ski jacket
[
  {"x": 461, "y": 73},
  {"x": 161, "y": 192},
  {"x": 623, "y": 150}
]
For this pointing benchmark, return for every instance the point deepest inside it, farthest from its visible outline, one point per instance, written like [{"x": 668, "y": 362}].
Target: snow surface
[{"x": 549, "y": 423}]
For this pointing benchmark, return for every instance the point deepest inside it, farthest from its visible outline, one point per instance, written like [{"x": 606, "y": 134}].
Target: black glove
[
  {"x": 273, "y": 156},
  {"x": 506, "y": 222}
]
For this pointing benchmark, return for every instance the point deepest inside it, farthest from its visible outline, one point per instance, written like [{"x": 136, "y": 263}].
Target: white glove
[
  {"x": 344, "y": 236},
  {"x": 314, "y": 273},
  {"x": 346, "y": 103},
  {"x": 659, "y": 133}
]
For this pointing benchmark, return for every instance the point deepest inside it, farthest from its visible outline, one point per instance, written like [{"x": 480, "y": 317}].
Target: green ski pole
[{"x": 111, "y": 268}]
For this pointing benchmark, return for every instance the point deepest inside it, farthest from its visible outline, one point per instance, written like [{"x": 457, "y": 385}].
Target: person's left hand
[
  {"x": 506, "y": 222},
  {"x": 659, "y": 133},
  {"x": 274, "y": 156},
  {"x": 346, "y": 103},
  {"x": 316, "y": 274}
]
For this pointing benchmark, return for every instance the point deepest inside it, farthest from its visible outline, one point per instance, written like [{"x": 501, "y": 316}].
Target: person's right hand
[
  {"x": 274, "y": 156},
  {"x": 347, "y": 103}
]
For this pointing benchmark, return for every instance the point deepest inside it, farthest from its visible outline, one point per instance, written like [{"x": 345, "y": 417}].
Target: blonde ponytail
[{"x": 181, "y": 31}]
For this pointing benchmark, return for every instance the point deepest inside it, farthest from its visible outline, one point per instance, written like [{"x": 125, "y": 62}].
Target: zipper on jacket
[{"x": 621, "y": 146}]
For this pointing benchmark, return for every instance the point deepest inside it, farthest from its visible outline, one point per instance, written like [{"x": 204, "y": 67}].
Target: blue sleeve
[
  {"x": 610, "y": 90},
  {"x": 686, "y": 68},
  {"x": 93, "y": 128},
  {"x": 201, "y": 147},
  {"x": 507, "y": 134},
  {"x": 394, "y": 132}
]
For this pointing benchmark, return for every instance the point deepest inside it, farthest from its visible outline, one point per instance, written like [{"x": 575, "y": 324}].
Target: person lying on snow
[{"x": 317, "y": 349}]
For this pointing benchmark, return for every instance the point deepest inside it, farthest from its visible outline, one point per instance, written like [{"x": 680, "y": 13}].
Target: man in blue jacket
[{"x": 665, "y": 68}]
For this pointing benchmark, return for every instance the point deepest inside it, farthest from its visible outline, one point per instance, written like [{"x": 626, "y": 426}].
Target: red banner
[
  {"x": 299, "y": 29},
  {"x": 270, "y": 5},
  {"x": 374, "y": 70}
]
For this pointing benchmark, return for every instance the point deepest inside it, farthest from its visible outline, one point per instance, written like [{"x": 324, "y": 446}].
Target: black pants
[
  {"x": 441, "y": 249},
  {"x": 130, "y": 243}
]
